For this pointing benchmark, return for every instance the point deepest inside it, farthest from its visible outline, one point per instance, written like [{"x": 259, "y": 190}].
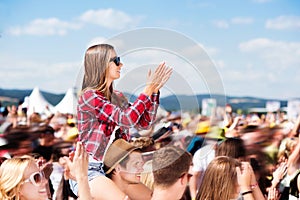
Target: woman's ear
[{"x": 20, "y": 194}]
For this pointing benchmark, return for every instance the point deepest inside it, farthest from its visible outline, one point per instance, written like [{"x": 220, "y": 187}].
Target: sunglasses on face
[
  {"x": 116, "y": 60},
  {"x": 35, "y": 178}
]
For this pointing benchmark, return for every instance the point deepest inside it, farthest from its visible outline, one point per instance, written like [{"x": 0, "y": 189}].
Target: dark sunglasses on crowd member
[{"x": 116, "y": 60}]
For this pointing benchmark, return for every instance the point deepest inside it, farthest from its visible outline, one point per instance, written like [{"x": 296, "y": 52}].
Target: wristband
[
  {"x": 247, "y": 192},
  {"x": 254, "y": 185}
]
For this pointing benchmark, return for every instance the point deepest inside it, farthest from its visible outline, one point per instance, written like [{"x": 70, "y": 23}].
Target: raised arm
[
  {"x": 149, "y": 115},
  {"x": 94, "y": 102},
  {"x": 78, "y": 168},
  {"x": 104, "y": 110},
  {"x": 155, "y": 81},
  {"x": 295, "y": 130},
  {"x": 249, "y": 186},
  {"x": 293, "y": 158}
]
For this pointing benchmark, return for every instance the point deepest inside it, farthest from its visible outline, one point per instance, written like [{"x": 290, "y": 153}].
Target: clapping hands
[
  {"x": 157, "y": 80},
  {"x": 77, "y": 163},
  {"x": 245, "y": 176}
]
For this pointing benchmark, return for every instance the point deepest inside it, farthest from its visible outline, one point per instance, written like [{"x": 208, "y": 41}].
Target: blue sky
[{"x": 253, "y": 44}]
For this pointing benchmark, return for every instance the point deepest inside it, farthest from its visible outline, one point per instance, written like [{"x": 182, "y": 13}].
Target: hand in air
[
  {"x": 160, "y": 76},
  {"x": 77, "y": 164}
]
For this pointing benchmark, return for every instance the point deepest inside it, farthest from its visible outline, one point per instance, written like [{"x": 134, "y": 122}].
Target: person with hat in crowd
[{"x": 123, "y": 164}]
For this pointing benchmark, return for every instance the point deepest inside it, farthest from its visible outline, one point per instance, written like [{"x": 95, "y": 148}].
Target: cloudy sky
[{"x": 240, "y": 48}]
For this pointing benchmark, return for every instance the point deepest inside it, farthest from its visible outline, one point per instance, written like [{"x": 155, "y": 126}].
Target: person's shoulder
[{"x": 204, "y": 151}]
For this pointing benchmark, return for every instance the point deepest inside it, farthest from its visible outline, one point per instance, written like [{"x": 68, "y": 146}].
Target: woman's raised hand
[
  {"x": 77, "y": 164},
  {"x": 157, "y": 80},
  {"x": 244, "y": 173}
]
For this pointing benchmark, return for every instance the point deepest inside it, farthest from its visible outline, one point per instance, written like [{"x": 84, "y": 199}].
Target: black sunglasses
[{"x": 116, "y": 60}]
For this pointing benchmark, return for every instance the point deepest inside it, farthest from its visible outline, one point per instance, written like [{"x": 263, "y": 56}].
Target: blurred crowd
[{"x": 268, "y": 142}]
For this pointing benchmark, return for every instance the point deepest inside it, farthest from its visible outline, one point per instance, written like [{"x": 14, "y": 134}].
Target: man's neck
[
  {"x": 164, "y": 194},
  {"x": 122, "y": 185}
]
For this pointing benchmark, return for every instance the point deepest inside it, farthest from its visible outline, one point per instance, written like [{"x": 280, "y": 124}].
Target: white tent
[
  {"x": 68, "y": 103},
  {"x": 37, "y": 103}
]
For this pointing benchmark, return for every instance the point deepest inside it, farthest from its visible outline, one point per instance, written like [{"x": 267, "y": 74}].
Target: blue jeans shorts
[{"x": 95, "y": 169}]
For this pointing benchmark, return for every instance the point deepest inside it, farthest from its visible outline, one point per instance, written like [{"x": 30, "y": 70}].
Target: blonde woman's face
[
  {"x": 30, "y": 191},
  {"x": 114, "y": 71}
]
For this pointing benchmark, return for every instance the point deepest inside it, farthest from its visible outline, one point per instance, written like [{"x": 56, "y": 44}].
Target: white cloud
[
  {"x": 200, "y": 48},
  {"x": 50, "y": 26},
  {"x": 97, "y": 40},
  {"x": 276, "y": 54},
  {"x": 116, "y": 43},
  {"x": 211, "y": 51},
  {"x": 108, "y": 18},
  {"x": 239, "y": 75},
  {"x": 224, "y": 24},
  {"x": 284, "y": 23},
  {"x": 296, "y": 78},
  {"x": 220, "y": 64},
  {"x": 55, "y": 76},
  {"x": 242, "y": 20},
  {"x": 221, "y": 24}
]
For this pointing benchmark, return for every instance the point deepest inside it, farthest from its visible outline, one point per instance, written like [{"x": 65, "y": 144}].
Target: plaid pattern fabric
[{"x": 97, "y": 117}]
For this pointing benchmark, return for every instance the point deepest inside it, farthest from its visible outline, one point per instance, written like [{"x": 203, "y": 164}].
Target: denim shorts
[{"x": 95, "y": 169}]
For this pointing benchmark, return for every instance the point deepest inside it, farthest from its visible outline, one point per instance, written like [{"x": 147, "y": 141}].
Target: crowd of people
[
  {"x": 260, "y": 157},
  {"x": 113, "y": 149}
]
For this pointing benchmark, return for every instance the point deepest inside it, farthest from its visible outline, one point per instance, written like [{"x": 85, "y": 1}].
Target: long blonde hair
[
  {"x": 96, "y": 61},
  {"x": 12, "y": 175},
  {"x": 220, "y": 180}
]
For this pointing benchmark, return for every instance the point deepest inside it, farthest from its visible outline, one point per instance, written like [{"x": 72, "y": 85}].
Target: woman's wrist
[
  {"x": 245, "y": 188},
  {"x": 246, "y": 192},
  {"x": 148, "y": 91},
  {"x": 82, "y": 177}
]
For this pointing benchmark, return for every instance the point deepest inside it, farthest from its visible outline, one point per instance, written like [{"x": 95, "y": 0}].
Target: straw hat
[{"x": 116, "y": 152}]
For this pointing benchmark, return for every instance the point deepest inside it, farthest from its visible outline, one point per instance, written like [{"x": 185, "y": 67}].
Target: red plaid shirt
[{"x": 98, "y": 117}]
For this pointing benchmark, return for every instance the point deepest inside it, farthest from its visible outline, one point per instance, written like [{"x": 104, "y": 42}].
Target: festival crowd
[{"x": 266, "y": 144}]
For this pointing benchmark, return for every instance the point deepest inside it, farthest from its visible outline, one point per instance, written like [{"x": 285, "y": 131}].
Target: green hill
[
  {"x": 172, "y": 102},
  {"x": 18, "y": 96}
]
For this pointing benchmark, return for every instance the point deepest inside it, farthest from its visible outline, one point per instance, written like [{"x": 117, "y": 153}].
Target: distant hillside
[
  {"x": 172, "y": 102},
  {"x": 191, "y": 102},
  {"x": 13, "y": 96},
  {"x": 194, "y": 103}
]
